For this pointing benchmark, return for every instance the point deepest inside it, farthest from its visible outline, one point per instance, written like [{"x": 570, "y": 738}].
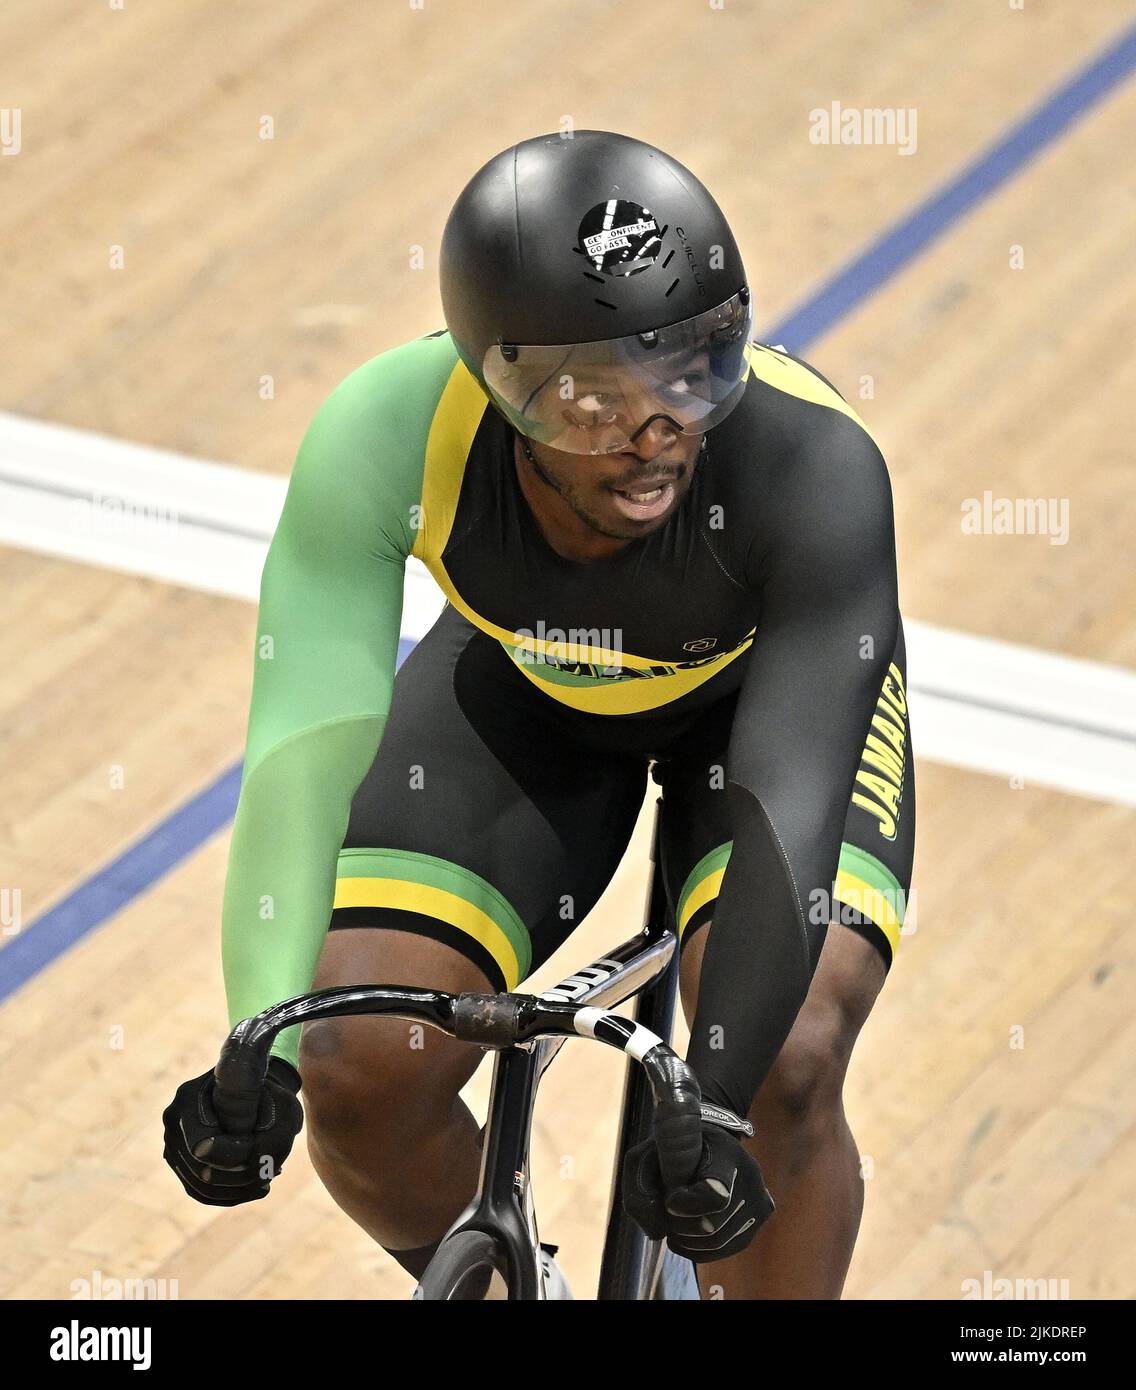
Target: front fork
[{"x": 503, "y": 1206}]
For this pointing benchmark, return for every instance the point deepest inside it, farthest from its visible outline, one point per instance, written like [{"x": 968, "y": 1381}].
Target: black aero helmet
[{"x": 589, "y": 281}]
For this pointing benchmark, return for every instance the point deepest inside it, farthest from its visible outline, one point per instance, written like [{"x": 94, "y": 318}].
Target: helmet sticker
[{"x": 619, "y": 237}]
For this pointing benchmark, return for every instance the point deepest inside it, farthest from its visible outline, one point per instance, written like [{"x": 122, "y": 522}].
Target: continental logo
[{"x": 879, "y": 781}]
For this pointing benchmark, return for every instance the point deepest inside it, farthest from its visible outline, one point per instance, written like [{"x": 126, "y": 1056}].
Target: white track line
[
  {"x": 145, "y": 511},
  {"x": 988, "y": 706}
]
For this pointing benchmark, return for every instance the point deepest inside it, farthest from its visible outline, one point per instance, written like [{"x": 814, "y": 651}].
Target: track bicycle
[{"x": 497, "y": 1233}]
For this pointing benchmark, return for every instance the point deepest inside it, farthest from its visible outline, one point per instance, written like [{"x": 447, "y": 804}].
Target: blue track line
[
  {"x": 895, "y": 248},
  {"x": 184, "y": 831},
  {"x": 122, "y": 880},
  {"x": 119, "y": 882}
]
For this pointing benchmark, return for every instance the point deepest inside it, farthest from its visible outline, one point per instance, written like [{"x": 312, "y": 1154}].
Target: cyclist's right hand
[{"x": 227, "y": 1148}]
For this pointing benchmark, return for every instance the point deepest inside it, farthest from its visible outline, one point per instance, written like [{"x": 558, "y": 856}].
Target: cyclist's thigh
[
  {"x": 873, "y": 880},
  {"x": 695, "y": 835},
  {"x": 484, "y": 824},
  {"x": 874, "y": 871}
]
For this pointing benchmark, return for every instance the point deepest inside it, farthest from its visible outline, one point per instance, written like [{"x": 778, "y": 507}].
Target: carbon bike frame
[{"x": 645, "y": 967}]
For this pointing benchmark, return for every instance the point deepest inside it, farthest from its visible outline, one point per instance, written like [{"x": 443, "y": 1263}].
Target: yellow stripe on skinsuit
[
  {"x": 861, "y": 897},
  {"x": 709, "y": 888},
  {"x": 632, "y": 695},
  {"x": 455, "y": 422},
  {"x": 850, "y": 889},
  {"x": 452, "y": 431},
  {"x": 446, "y": 907},
  {"x": 783, "y": 374}
]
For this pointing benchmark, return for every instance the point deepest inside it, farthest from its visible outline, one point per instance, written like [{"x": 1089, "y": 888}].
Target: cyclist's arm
[
  {"x": 327, "y": 642},
  {"x": 826, "y": 633}
]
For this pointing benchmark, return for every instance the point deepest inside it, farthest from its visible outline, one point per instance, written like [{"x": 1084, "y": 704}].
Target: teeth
[{"x": 644, "y": 497}]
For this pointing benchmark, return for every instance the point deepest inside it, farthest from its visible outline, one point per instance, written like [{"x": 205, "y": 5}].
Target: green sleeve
[{"x": 327, "y": 642}]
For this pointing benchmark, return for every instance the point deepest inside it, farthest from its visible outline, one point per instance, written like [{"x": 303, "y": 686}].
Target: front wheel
[{"x": 468, "y": 1268}]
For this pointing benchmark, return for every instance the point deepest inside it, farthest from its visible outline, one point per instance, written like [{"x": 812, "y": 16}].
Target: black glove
[
  {"x": 226, "y": 1149},
  {"x": 721, "y": 1206}
]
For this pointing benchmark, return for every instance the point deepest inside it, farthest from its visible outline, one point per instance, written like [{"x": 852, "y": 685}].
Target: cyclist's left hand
[{"x": 714, "y": 1214}]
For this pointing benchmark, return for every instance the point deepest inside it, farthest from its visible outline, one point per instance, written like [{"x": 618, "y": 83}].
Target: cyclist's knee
[
  {"x": 377, "y": 1087},
  {"x": 378, "y": 1084},
  {"x": 804, "y": 1090}
]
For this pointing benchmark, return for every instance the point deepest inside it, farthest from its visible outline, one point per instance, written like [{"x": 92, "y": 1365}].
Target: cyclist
[{"x": 658, "y": 540}]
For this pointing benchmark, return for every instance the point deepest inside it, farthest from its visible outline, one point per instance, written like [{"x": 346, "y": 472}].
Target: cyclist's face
[
  {"x": 601, "y": 408},
  {"x": 627, "y": 494}
]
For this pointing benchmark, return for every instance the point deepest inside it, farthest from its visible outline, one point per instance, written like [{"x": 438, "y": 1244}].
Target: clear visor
[{"x": 597, "y": 398}]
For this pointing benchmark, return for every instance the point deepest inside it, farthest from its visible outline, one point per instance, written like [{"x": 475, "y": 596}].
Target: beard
[{"x": 613, "y": 529}]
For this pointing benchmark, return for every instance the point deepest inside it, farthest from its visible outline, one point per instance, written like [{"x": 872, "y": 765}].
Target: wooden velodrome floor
[{"x": 289, "y": 258}]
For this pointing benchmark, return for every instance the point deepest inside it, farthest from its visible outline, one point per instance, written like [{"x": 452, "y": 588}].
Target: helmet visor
[{"x": 596, "y": 398}]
